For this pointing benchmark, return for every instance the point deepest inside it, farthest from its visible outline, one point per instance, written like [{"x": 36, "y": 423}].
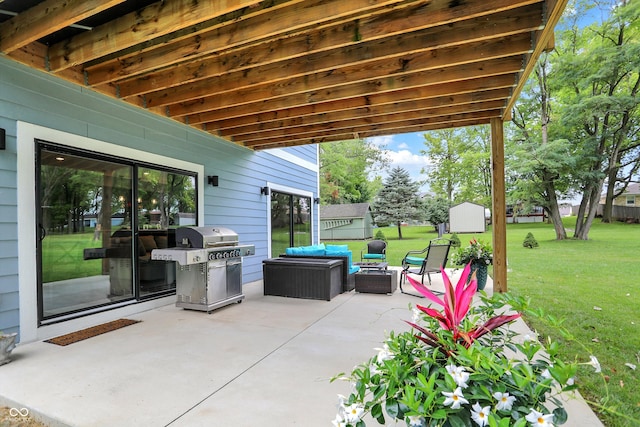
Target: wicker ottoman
[
  {"x": 376, "y": 281},
  {"x": 308, "y": 278}
]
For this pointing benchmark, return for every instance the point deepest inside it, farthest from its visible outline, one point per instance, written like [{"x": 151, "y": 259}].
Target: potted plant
[
  {"x": 456, "y": 369},
  {"x": 480, "y": 256},
  {"x": 7, "y": 344}
]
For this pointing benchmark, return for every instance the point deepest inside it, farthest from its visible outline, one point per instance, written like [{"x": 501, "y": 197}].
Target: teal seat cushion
[
  {"x": 347, "y": 253},
  {"x": 412, "y": 260},
  {"x": 373, "y": 256},
  {"x": 312, "y": 250}
]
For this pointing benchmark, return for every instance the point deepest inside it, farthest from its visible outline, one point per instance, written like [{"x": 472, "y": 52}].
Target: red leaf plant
[{"x": 456, "y": 304}]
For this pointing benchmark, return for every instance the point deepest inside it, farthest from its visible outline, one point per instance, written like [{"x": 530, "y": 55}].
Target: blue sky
[{"x": 403, "y": 150}]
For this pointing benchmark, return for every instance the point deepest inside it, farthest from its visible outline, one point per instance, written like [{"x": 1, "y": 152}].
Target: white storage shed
[{"x": 467, "y": 217}]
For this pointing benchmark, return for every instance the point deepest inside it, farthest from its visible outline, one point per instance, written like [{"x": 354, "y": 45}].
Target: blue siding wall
[{"x": 37, "y": 98}]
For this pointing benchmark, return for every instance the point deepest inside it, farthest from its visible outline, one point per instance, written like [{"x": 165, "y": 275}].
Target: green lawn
[{"x": 590, "y": 284}]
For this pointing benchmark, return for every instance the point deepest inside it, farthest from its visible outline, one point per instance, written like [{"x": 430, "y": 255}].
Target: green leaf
[
  {"x": 376, "y": 412},
  {"x": 392, "y": 408},
  {"x": 559, "y": 416}
]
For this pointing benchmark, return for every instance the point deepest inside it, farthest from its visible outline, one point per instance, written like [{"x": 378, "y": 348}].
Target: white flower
[
  {"x": 594, "y": 362},
  {"x": 373, "y": 369},
  {"x": 537, "y": 419},
  {"x": 416, "y": 421},
  {"x": 455, "y": 398},
  {"x": 505, "y": 402},
  {"x": 353, "y": 413},
  {"x": 460, "y": 376},
  {"x": 416, "y": 315},
  {"x": 480, "y": 415},
  {"x": 384, "y": 354},
  {"x": 338, "y": 421}
]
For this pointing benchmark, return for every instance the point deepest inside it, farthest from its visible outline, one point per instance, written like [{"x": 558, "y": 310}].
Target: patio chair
[
  {"x": 376, "y": 252},
  {"x": 429, "y": 260}
]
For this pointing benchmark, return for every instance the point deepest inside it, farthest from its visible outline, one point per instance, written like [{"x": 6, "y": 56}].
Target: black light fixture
[
  {"x": 213, "y": 180},
  {"x": 3, "y": 139},
  {"x": 265, "y": 191},
  {"x": 316, "y": 200}
]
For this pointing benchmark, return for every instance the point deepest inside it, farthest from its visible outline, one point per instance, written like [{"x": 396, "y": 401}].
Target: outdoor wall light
[
  {"x": 3, "y": 139},
  {"x": 265, "y": 191},
  {"x": 316, "y": 200},
  {"x": 213, "y": 180}
]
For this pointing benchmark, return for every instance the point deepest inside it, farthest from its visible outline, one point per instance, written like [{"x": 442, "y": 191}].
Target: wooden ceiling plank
[
  {"x": 153, "y": 21},
  {"x": 217, "y": 71},
  {"x": 46, "y": 18},
  {"x": 337, "y": 124},
  {"x": 235, "y": 90},
  {"x": 253, "y": 29},
  {"x": 385, "y": 126},
  {"x": 422, "y": 105},
  {"x": 296, "y": 54},
  {"x": 370, "y": 133},
  {"x": 320, "y": 93},
  {"x": 278, "y": 110}
]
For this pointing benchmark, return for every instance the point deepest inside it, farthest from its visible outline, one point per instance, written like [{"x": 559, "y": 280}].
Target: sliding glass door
[
  {"x": 99, "y": 219},
  {"x": 290, "y": 221}
]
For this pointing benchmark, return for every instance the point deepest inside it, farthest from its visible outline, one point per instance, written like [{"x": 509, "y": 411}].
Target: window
[
  {"x": 98, "y": 221},
  {"x": 631, "y": 200}
]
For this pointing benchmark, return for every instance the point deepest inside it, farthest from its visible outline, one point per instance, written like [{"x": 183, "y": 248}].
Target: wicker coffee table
[{"x": 376, "y": 281}]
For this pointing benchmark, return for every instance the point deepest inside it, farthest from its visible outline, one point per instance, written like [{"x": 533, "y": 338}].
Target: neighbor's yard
[{"x": 592, "y": 285}]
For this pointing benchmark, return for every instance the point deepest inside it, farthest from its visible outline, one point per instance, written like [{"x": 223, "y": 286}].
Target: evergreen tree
[{"x": 398, "y": 200}]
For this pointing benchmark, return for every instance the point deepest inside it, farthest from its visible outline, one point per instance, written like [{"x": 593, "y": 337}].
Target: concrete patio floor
[{"x": 264, "y": 362}]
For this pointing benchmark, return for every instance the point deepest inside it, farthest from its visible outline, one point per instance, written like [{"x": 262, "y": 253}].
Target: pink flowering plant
[{"x": 458, "y": 368}]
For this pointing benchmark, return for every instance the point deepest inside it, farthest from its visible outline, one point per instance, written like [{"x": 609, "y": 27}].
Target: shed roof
[{"x": 350, "y": 210}]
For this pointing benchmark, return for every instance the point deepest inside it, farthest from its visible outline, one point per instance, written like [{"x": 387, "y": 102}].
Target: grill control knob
[{"x": 196, "y": 258}]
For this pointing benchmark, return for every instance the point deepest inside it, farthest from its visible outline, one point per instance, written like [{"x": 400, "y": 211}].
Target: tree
[
  {"x": 436, "y": 210},
  {"x": 598, "y": 69},
  {"x": 461, "y": 168},
  {"x": 344, "y": 170},
  {"x": 398, "y": 200},
  {"x": 540, "y": 163},
  {"x": 578, "y": 121}
]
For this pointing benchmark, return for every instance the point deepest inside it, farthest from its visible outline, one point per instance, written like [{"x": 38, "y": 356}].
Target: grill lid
[{"x": 205, "y": 237}]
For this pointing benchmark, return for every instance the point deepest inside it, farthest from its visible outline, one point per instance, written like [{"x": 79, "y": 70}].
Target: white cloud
[{"x": 380, "y": 140}]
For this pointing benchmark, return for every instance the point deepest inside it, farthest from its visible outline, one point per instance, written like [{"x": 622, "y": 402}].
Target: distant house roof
[
  {"x": 349, "y": 210},
  {"x": 633, "y": 188}
]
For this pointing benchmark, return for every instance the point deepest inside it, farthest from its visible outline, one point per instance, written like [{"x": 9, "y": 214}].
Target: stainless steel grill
[{"x": 209, "y": 267}]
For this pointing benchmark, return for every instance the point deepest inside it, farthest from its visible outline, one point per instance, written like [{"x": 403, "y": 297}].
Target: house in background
[
  {"x": 630, "y": 197},
  {"x": 467, "y": 217},
  {"x": 346, "y": 222},
  {"x": 55, "y": 131},
  {"x": 517, "y": 214}
]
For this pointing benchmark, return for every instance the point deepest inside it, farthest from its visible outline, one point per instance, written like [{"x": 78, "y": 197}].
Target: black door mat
[{"x": 91, "y": 332}]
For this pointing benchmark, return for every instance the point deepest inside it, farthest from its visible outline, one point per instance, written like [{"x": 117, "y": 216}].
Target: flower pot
[
  {"x": 7, "y": 343},
  {"x": 481, "y": 274}
]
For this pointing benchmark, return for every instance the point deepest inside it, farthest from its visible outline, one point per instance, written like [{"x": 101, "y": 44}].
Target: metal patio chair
[
  {"x": 429, "y": 260},
  {"x": 376, "y": 252}
]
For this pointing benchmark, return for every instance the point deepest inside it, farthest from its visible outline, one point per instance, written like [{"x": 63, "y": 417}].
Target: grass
[
  {"x": 590, "y": 284},
  {"x": 63, "y": 257}
]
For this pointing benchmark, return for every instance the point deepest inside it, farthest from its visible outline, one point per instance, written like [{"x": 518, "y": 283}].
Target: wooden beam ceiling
[{"x": 278, "y": 73}]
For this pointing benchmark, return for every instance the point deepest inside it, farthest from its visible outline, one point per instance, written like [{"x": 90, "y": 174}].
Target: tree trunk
[
  {"x": 554, "y": 211},
  {"x": 399, "y": 231},
  {"x": 587, "y": 211}
]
